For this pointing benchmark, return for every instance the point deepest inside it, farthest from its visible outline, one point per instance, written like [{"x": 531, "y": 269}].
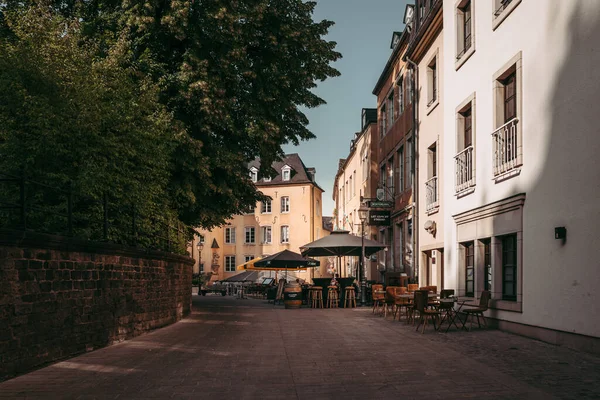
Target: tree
[{"x": 232, "y": 75}]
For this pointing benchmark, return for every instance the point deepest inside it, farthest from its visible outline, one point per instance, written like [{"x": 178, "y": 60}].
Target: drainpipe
[{"x": 414, "y": 167}]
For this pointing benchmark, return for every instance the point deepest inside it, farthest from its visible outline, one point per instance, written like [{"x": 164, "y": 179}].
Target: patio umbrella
[
  {"x": 248, "y": 265},
  {"x": 245, "y": 276},
  {"x": 341, "y": 243},
  {"x": 286, "y": 260}
]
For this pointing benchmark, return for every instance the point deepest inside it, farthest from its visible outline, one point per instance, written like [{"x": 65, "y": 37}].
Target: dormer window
[
  {"x": 267, "y": 179},
  {"x": 254, "y": 174},
  {"x": 286, "y": 173}
]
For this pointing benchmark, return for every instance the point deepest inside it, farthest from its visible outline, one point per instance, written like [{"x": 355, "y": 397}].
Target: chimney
[{"x": 311, "y": 173}]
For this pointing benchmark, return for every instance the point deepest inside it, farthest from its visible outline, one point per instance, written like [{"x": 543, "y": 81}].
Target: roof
[
  {"x": 328, "y": 223},
  {"x": 389, "y": 66},
  {"x": 300, "y": 173}
]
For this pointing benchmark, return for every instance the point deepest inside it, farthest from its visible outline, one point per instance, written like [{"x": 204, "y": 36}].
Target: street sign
[
  {"x": 379, "y": 217},
  {"x": 381, "y": 204}
]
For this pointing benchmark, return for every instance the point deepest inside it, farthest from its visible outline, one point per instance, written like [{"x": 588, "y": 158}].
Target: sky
[{"x": 363, "y": 32}]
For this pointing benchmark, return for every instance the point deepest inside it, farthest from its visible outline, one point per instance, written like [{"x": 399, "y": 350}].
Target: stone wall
[{"x": 61, "y": 297}]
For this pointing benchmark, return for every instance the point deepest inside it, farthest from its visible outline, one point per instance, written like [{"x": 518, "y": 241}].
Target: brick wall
[{"x": 60, "y": 297}]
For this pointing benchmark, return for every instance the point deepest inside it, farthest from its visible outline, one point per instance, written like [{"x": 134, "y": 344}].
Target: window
[
  {"x": 390, "y": 179},
  {"x": 409, "y": 87},
  {"x": 285, "y": 234},
  {"x": 230, "y": 235},
  {"x": 400, "y": 95},
  {"x": 249, "y": 233},
  {"x": 464, "y": 160},
  {"x": 318, "y": 208},
  {"x": 469, "y": 250},
  {"x": 383, "y": 117},
  {"x": 487, "y": 264},
  {"x": 250, "y": 210},
  {"x": 266, "y": 234},
  {"x": 351, "y": 188},
  {"x": 229, "y": 263},
  {"x": 507, "y": 143},
  {"x": 201, "y": 239},
  {"x": 266, "y": 207},
  {"x": 390, "y": 109},
  {"x": 465, "y": 43},
  {"x": 432, "y": 82},
  {"x": 365, "y": 165},
  {"x": 267, "y": 179},
  {"x": 502, "y": 8},
  {"x": 254, "y": 174},
  {"x": 286, "y": 173},
  {"x": 409, "y": 163},
  {"x": 248, "y": 258},
  {"x": 510, "y": 97},
  {"x": 400, "y": 169},
  {"x": 509, "y": 267},
  {"x": 285, "y": 204},
  {"x": 354, "y": 184},
  {"x": 432, "y": 161}
]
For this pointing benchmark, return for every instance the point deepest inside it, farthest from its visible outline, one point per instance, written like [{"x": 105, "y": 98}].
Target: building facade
[
  {"x": 521, "y": 88},
  {"x": 395, "y": 160},
  {"x": 425, "y": 54},
  {"x": 292, "y": 218},
  {"x": 357, "y": 177}
]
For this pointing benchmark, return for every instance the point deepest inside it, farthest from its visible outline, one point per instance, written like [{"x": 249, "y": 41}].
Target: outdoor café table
[{"x": 452, "y": 313}]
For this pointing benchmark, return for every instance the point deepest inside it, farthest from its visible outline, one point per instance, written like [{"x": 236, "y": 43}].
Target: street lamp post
[
  {"x": 200, "y": 247},
  {"x": 363, "y": 214}
]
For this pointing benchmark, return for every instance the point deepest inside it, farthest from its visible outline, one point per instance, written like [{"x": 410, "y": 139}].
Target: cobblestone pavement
[{"x": 247, "y": 349}]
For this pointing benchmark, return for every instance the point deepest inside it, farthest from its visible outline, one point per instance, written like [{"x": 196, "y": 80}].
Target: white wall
[{"x": 560, "y": 176}]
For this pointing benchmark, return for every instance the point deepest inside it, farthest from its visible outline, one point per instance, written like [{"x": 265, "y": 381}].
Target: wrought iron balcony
[
  {"x": 506, "y": 148},
  {"x": 431, "y": 189},
  {"x": 465, "y": 171}
]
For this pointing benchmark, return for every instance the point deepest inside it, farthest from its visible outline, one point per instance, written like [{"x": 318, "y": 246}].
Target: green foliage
[{"x": 165, "y": 102}]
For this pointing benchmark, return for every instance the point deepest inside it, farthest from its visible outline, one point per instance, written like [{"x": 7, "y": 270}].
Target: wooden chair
[
  {"x": 444, "y": 307},
  {"x": 390, "y": 293},
  {"x": 478, "y": 310},
  {"x": 412, "y": 287},
  {"x": 399, "y": 303},
  {"x": 421, "y": 297},
  {"x": 349, "y": 297},
  {"x": 378, "y": 299}
]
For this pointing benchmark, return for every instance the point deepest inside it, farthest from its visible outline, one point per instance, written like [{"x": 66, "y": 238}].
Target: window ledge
[
  {"x": 463, "y": 58},
  {"x": 432, "y": 106},
  {"x": 507, "y": 175},
  {"x": 506, "y": 305},
  {"x": 465, "y": 192},
  {"x": 497, "y": 19},
  {"x": 433, "y": 210}
]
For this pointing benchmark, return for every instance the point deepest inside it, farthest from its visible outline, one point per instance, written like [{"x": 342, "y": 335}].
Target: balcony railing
[
  {"x": 506, "y": 148},
  {"x": 465, "y": 173},
  {"x": 431, "y": 188}
]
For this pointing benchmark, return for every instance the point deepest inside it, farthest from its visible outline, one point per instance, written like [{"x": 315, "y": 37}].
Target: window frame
[
  {"x": 229, "y": 265},
  {"x": 285, "y": 204},
  {"x": 506, "y": 265},
  {"x": 254, "y": 174},
  {"x": 285, "y": 236},
  {"x": 469, "y": 254},
  {"x": 266, "y": 207},
  {"x": 286, "y": 174},
  {"x": 464, "y": 48},
  {"x": 501, "y": 12},
  {"x": 229, "y": 232},
  {"x": 433, "y": 81},
  {"x": 252, "y": 231},
  {"x": 263, "y": 233}
]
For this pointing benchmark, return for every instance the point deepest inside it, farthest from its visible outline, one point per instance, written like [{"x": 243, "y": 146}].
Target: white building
[{"x": 522, "y": 81}]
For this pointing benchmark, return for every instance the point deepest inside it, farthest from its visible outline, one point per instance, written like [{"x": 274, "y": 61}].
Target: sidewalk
[{"x": 248, "y": 349}]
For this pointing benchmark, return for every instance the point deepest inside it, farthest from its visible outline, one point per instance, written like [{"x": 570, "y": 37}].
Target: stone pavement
[{"x": 248, "y": 349}]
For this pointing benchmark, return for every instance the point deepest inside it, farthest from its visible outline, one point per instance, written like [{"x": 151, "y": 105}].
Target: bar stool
[
  {"x": 332, "y": 297},
  {"x": 316, "y": 296},
  {"x": 349, "y": 297}
]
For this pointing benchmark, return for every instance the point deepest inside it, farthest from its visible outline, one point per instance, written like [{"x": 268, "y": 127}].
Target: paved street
[{"x": 247, "y": 349}]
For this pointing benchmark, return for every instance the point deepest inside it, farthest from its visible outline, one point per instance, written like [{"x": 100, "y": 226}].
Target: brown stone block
[
  {"x": 21, "y": 264},
  {"x": 66, "y": 265},
  {"x": 25, "y": 275},
  {"x": 44, "y": 255}
]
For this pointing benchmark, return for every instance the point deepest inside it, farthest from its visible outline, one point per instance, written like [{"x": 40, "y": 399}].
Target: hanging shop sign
[{"x": 379, "y": 217}]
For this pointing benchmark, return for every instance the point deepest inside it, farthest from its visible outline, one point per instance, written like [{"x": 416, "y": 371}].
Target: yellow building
[{"x": 292, "y": 218}]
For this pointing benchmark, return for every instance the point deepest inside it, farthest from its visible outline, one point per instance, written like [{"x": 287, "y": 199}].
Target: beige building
[
  {"x": 356, "y": 177},
  {"x": 425, "y": 53},
  {"x": 292, "y": 218}
]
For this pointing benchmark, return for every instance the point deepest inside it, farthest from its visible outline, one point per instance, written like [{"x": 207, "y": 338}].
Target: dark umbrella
[
  {"x": 341, "y": 243},
  {"x": 286, "y": 260},
  {"x": 243, "y": 277}
]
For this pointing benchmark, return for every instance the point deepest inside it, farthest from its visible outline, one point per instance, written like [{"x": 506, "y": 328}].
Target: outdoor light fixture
[
  {"x": 363, "y": 215},
  {"x": 560, "y": 233}
]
